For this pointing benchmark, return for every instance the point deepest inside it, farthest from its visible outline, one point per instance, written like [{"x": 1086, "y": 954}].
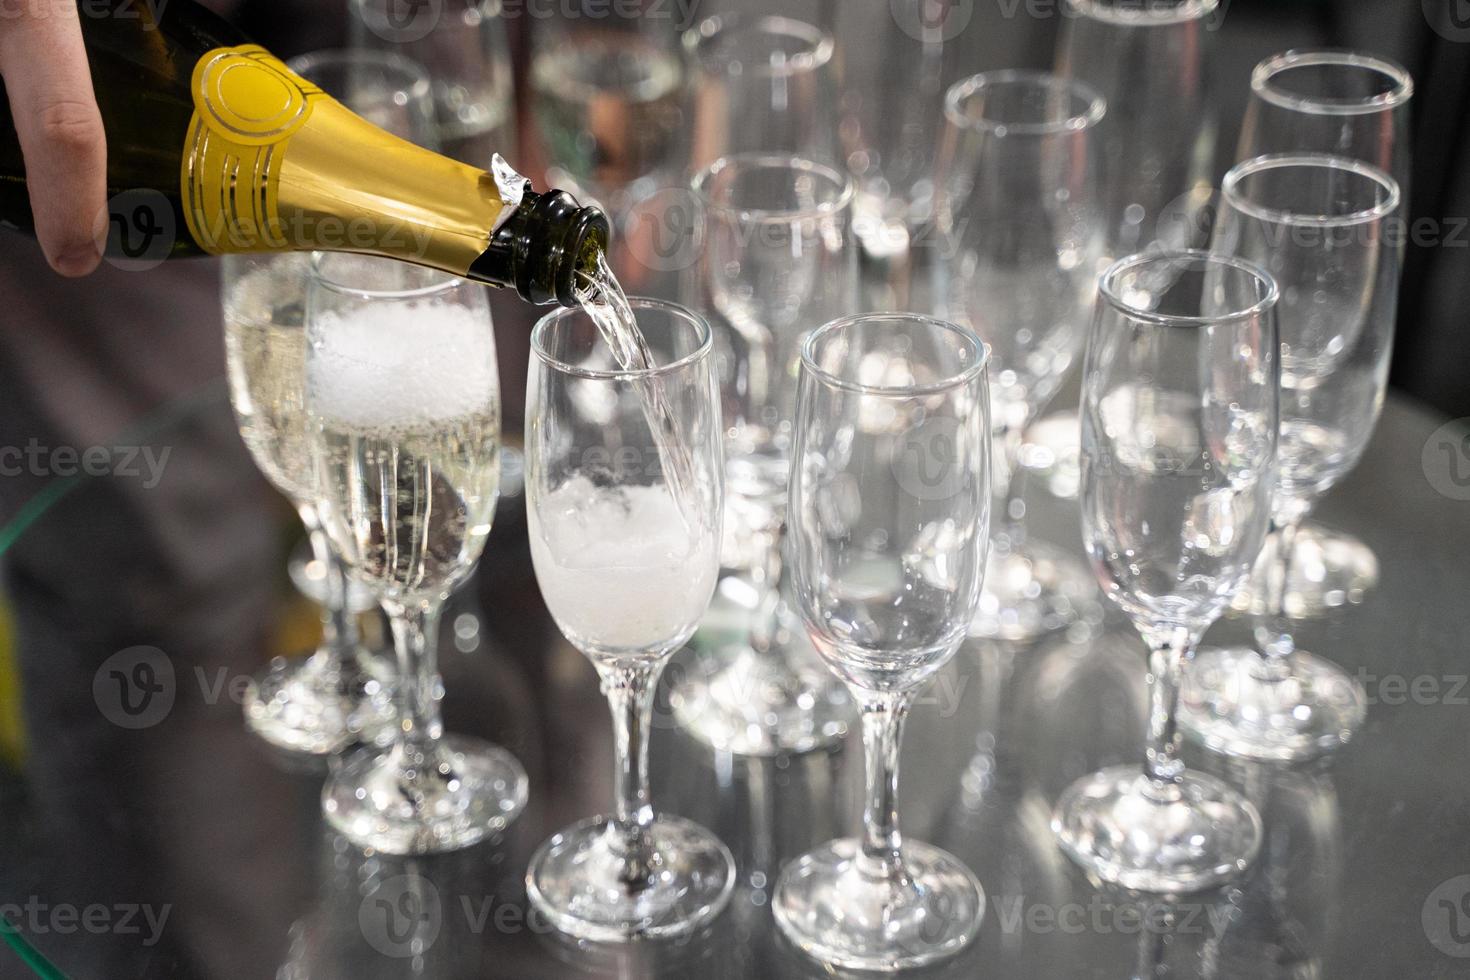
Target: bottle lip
[{"x": 588, "y": 223}]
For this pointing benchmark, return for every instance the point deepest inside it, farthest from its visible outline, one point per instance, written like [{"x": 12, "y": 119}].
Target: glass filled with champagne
[
  {"x": 403, "y": 427},
  {"x": 341, "y": 693}
]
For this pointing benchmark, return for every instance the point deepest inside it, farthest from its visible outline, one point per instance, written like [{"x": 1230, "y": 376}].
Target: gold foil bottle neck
[{"x": 271, "y": 162}]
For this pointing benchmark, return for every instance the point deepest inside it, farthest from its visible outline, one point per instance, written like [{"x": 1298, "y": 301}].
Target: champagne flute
[
  {"x": 1348, "y": 104},
  {"x": 627, "y": 571},
  {"x": 1179, "y": 423},
  {"x": 464, "y": 48},
  {"x": 1020, "y": 208},
  {"x": 1151, "y": 62},
  {"x": 778, "y": 257},
  {"x": 895, "y": 65},
  {"x": 1344, "y": 103},
  {"x": 890, "y": 504},
  {"x": 608, "y": 96},
  {"x": 1320, "y": 225},
  {"x": 403, "y": 409},
  {"x": 341, "y": 693},
  {"x": 761, "y": 85}
]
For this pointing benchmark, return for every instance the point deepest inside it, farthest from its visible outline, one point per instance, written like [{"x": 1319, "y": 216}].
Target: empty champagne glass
[
  {"x": 895, "y": 65},
  {"x": 1321, "y": 226},
  {"x": 1179, "y": 423},
  {"x": 890, "y": 504},
  {"x": 1150, "y": 60},
  {"x": 778, "y": 259},
  {"x": 608, "y": 97},
  {"x": 627, "y": 563},
  {"x": 1343, "y": 103},
  {"x": 341, "y": 693},
  {"x": 761, "y": 84},
  {"x": 1020, "y": 209},
  {"x": 1349, "y": 104},
  {"x": 463, "y": 46},
  {"x": 403, "y": 409}
]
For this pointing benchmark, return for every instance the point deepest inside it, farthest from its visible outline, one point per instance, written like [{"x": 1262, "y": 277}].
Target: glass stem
[
  {"x": 1009, "y": 533},
  {"x": 768, "y": 607},
  {"x": 416, "y": 640},
  {"x": 1170, "y": 647},
  {"x": 1274, "y": 630},
  {"x": 629, "y": 686},
  {"x": 883, "y": 717},
  {"x": 339, "y": 626}
]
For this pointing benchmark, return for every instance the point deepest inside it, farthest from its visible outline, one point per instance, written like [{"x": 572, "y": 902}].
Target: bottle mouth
[
  {"x": 587, "y": 238},
  {"x": 545, "y": 244},
  {"x": 561, "y": 238}
]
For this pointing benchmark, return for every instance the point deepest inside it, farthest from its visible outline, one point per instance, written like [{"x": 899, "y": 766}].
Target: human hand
[{"x": 44, "y": 65}]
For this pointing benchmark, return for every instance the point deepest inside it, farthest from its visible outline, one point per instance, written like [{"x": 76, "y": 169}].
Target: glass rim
[
  {"x": 1133, "y": 13},
  {"x": 820, "y": 43},
  {"x": 1230, "y": 189},
  {"x": 676, "y": 310},
  {"x": 1264, "y": 81},
  {"x": 959, "y": 379},
  {"x": 1107, "y": 287},
  {"x": 303, "y": 64},
  {"x": 318, "y": 256},
  {"x": 699, "y": 184},
  {"x": 1073, "y": 123},
  {"x": 487, "y": 9}
]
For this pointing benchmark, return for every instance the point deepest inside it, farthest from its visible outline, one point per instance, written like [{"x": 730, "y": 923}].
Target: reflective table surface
[{"x": 145, "y": 834}]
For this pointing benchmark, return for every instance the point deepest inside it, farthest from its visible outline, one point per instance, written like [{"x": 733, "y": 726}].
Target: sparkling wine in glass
[
  {"x": 403, "y": 408},
  {"x": 889, "y": 522},
  {"x": 1179, "y": 428},
  {"x": 341, "y": 693},
  {"x": 627, "y": 570}
]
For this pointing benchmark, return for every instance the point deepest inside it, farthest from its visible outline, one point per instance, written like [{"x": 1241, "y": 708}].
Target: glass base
[
  {"x": 1227, "y": 706},
  {"x": 471, "y": 789},
  {"x": 1120, "y": 829},
  {"x": 1329, "y": 570},
  {"x": 319, "y": 705},
  {"x": 1033, "y": 591},
  {"x": 760, "y": 704},
  {"x": 581, "y": 881},
  {"x": 310, "y": 579},
  {"x": 841, "y": 914}
]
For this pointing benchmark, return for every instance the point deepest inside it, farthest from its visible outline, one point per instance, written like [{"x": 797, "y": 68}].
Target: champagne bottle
[{"x": 214, "y": 146}]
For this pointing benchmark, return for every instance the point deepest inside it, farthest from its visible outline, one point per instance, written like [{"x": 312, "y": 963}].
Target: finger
[{"x": 44, "y": 64}]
